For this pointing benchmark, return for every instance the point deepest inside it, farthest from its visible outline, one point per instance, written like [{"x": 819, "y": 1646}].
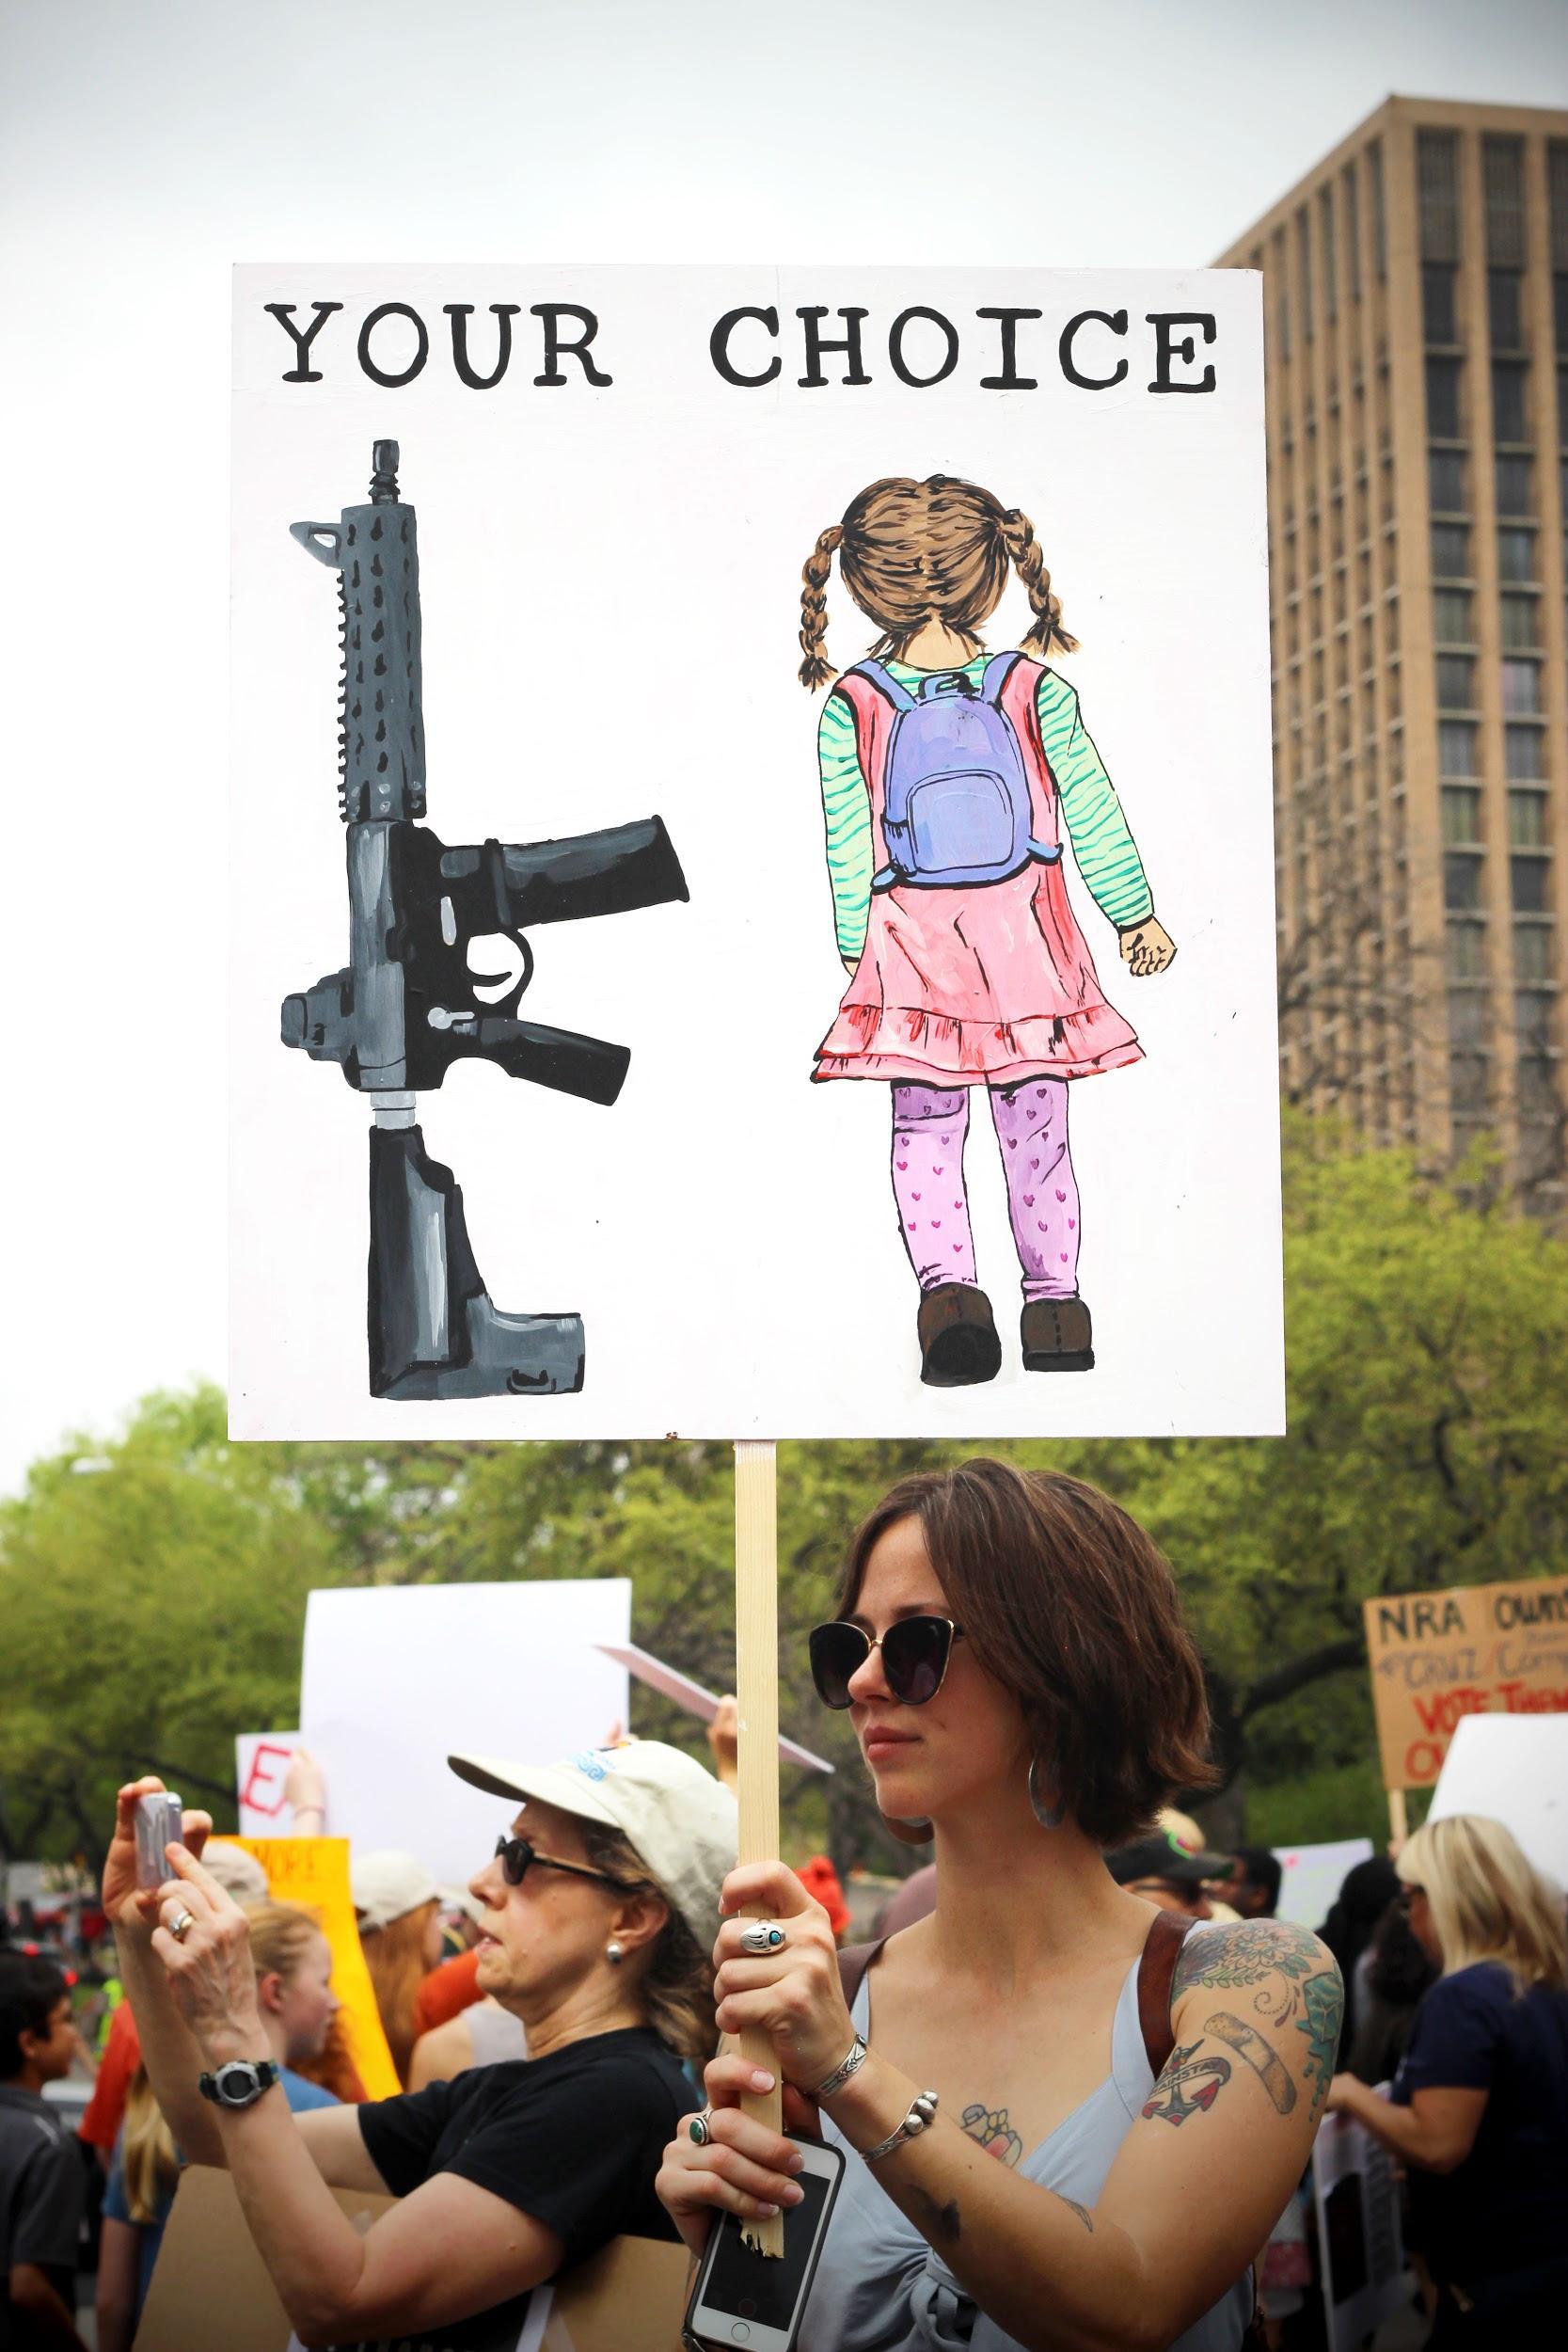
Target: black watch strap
[{"x": 239, "y": 2083}]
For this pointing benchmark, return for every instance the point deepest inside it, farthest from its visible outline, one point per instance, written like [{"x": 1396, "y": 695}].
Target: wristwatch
[{"x": 241, "y": 2083}]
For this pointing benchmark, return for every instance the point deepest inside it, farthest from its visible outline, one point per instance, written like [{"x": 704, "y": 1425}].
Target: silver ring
[
  {"x": 180, "y": 1923},
  {"x": 760, "y": 1936},
  {"x": 698, "y": 2128}
]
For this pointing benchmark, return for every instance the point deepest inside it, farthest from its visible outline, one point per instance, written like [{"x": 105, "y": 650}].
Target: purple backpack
[{"x": 956, "y": 803}]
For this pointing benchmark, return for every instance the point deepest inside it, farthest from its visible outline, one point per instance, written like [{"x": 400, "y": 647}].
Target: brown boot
[
  {"x": 1058, "y": 1336},
  {"x": 957, "y": 1337}
]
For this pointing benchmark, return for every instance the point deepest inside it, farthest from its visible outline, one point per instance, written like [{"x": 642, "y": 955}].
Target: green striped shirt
[{"x": 1091, "y": 813}]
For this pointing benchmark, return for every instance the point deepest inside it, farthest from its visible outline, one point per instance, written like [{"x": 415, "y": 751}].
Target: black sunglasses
[
  {"x": 515, "y": 1856},
  {"x": 915, "y": 1652}
]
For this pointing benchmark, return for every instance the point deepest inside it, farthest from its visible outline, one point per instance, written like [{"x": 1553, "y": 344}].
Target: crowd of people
[{"x": 1075, "y": 2077}]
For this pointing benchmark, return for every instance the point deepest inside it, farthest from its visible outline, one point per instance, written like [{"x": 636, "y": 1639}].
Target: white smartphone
[
  {"x": 157, "y": 1826},
  {"x": 746, "y": 2298}
]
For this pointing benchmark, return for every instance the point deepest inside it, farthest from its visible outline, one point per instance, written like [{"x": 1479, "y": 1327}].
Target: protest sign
[
  {"x": 699, "y": 1240},
  {"x": 1514, "y": 1769},
  {"x": 1311, "y": 1876},
  {"x": 1477, "y": 1650},
  {"x": 1361, "y": 2247},
  {"x": 261, "y": 1768},
  {"x": 397, "y": 1679},
  {"x": 313, "y": 1872},
  {"x": 698, "y": 1702},
  {"x": 628, "y": 2298}
]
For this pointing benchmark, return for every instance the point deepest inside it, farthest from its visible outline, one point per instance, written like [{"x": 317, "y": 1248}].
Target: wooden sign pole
[
  {"x": 1398, "y": 1823},
  {"x": 756, "y": 1648}
]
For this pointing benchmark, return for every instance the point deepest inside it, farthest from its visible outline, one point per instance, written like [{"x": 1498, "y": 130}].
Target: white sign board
[
  {"x": 262, "y": 1760},
  {"x": 1361, "y": 2247},
  {"x": 398, "y": 1678},
  {"x": 1311, "y": 1876},
  {"x": 613, "y": 478},
  {"x": 1513, "y": 1768}
]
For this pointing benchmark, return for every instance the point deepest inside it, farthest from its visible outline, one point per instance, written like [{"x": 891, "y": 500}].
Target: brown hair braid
[{"x": 911, "y": 552}]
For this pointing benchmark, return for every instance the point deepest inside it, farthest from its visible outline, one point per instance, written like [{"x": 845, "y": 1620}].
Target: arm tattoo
[
  {"x": 1189, "y": 2086},
  {"x": 1248, "y": 1957},
  {"x": 991, "y": 2127},
  {"x": 1266, "y": 2065}
]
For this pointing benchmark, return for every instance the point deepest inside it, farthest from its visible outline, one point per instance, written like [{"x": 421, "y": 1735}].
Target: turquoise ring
[{"x": 760, "y": 1936}]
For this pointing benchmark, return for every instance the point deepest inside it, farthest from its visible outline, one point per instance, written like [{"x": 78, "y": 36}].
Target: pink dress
[{"x": 984, "y": 985}]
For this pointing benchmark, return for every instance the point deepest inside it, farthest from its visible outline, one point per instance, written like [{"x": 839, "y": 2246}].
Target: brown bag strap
[
  {"x": 853, "y": 1962},
  {"x": 1156, "y": 1971}
]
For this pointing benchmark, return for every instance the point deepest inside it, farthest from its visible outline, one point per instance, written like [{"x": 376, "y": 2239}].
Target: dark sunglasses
[
  {"x": 915, "y": 1652},
  {"x": 515, "y": 1856}
]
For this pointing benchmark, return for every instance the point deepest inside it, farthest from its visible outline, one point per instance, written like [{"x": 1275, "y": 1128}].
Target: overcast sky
[{"x": 143, "y": 149}]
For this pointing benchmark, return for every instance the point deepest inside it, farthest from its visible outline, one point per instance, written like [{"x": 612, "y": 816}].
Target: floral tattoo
[{"x": 1246, "y": 1957}]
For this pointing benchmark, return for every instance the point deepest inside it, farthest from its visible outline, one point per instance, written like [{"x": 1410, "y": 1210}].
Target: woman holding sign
[
  {"x": 1068, "y": 2121},
  {"x": 597, "y": 1905}
]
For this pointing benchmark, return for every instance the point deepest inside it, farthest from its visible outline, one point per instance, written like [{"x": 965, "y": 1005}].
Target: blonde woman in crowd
[{"x": 1478, "y": 2110}]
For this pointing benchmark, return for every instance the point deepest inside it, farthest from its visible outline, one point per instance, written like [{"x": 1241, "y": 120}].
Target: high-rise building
[{"x": 1416, "y": 289}]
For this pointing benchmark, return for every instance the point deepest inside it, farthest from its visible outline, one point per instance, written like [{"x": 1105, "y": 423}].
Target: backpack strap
[
  {"x": 995, "y": 676},
  {"x": 1156, "y": 1973},
  {"x": 853, "y": 1962},
  {"x": 878, "y": 674}
]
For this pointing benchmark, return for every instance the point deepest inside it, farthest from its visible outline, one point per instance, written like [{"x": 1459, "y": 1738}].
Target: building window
[
  {"x": 1450, "y": 616},
  {"x": 1456, "y": 681},
  {"x": 1557, "y": 199},
  {"x": 1353, "y": 231},
  {"x": 1439, "y": 315},
  {"x": 1524, "y": 754},
  {"x": 1443, "y": 407},
  {"x": 1304, "y": 265},
  {"x": 1521, "y": 689},
  {"x": 1466, "y": 952},
  {"x": 1518, "y": 624},
  {"x": 1462, "y": 882},
  {"x": 1469, "y": 1016},
  {"x": 1326, "y": 242},
  {"x": 1437, "y": 193},
  {"x": 1514, "y": 485},
  {"x": 1502, "y": 171},
  {"x": 1461, "y": 817},
  {"x": 1527, "y": 821},
  {"x": 1504, "y": 309},
  {"x": 1533, "y": 1009},
  {"x": 1560, "y": 311},
  {"x": 1446, "y": 480},
  {"x": 1532, "y": 954},
  {"x": 1535, "y": 1084},
  {"x": 1516, "y": 551},
  {"x": 1456, "y": 747},
  {"x": 1379, "y": 223},
  {"x": 1527, "y": 882},
  {"x": 1509, "y": 418},
  {"x": 1451, "y": 550},
  {"x": 1468, "y": 1083}
]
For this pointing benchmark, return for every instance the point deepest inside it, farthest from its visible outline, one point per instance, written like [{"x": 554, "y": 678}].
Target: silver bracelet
[
  {"x": 918, "y": 2120},
  {"x": 841, "y": 2074}
]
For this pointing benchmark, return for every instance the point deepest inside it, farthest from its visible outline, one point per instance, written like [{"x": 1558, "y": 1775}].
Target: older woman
[
  {"x": 1120, "y": 2114},
  {"x": 1478, "y": 2110},
  {"x": 597, "y": 1905}
]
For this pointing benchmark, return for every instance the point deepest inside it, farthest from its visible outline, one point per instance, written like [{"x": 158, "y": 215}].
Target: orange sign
[
  {"x": 1478, "y": 1649},
  {"x": 313, "y": 1872}
]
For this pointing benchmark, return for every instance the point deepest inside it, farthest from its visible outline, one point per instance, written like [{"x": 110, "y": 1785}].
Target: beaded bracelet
[
  {"x": 841, "y": 2074},
  {"x": 918, "y": 2118}
]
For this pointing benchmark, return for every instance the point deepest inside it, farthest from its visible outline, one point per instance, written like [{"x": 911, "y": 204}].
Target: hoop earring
[
  {"x": 1049, "y": 1817},
  {"x": 613, "y": 1953}
]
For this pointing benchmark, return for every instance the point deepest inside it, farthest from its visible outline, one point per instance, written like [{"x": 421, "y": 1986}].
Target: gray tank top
[
  {"x": 495, "y": 2034},
  {"x": 880, "y": 2287}
]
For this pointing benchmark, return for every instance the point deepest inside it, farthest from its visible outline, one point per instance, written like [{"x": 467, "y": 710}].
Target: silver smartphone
[
  {"x": 157, "y": 1826},
  {"x": 750, "y": 2299}
]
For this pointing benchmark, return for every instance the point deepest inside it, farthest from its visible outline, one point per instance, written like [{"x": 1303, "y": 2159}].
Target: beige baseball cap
[
  {"x": 678, "y": 1818},
  {"x": 388, "y": 1883}
]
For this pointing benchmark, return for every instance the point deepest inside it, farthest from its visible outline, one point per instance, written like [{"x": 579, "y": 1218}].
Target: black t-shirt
[
  {"x": 1506, "y": 2206},
  {"x": 573, "y": 2138},
  {"x": 42, "y": 2191}
]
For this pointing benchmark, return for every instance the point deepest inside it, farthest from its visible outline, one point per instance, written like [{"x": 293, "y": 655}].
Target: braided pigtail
[
  {"x": 816, "y": 670},
  {"x": 1018, "y": 537}
]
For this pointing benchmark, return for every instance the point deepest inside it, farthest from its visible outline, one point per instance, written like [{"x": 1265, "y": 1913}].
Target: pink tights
[{"x": 930, "y": 1126}]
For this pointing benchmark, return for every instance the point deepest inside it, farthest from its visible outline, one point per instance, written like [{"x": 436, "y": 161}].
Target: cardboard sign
[
  {"x": 1361, "y": 2247},
  {"x": 261, "y": 1768},
  {"x": 396, "y": 1679},
  {"x": 313, "y": 1872},
  {"x": 1514, "y": 1769},
  {"x": 784, "y": 1035},
  {"x": 1478, "y": 1649},
  {"x": 211, "y": 2285},
  {"x": 1311, "y": 1876}
]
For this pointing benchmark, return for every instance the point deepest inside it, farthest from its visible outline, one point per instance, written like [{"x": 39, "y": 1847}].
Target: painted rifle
[{"x": 405, "y": 1007}]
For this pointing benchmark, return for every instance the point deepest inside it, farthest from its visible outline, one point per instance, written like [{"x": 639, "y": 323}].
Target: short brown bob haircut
[{"x": 1069, "y": 1605}]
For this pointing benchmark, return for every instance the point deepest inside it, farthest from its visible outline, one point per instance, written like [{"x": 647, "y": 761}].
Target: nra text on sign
[{"x": 1480, "y": 1649}]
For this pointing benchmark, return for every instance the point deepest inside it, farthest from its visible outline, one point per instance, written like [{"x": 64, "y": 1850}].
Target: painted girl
[{"x": 949, "y": 779}]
